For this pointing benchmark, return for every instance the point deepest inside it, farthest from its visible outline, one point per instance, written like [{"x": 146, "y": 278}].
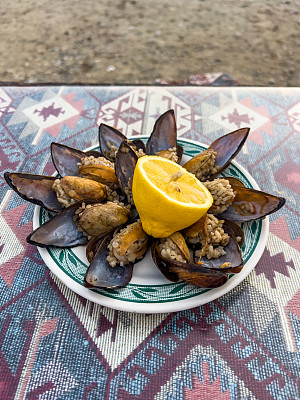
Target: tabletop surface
[{"x": 55, "y": 344}]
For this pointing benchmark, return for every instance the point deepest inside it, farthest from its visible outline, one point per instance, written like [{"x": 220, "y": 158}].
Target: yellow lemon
[{"x": 166, "y": 196}]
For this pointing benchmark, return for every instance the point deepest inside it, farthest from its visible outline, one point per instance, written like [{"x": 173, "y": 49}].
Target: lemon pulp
[{"x": 167, "y": 197}]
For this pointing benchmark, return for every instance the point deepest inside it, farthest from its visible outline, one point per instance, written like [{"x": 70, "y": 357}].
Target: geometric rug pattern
[{"x": 55, "y": 344}]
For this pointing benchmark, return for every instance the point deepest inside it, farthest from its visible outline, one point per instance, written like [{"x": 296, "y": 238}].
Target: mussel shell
[
  {"x": 60, "y": 231},
  {"x": 112, "y": 135},
  {"x": 236, "y": 230},
  {"x": 101, "y": 274},
  {"x": 162, "y": 263},
  {"x": 66, "y": 159},
  {"x": 198, "y": 275},
  {"x": 263, "y": 203},
  {"x": 125, "y": 163},
  {"x": 235, "y": 182},
  {"x": 139, "y": 144},
  {"x": 233, "y": 254},
  {"x": 194, "y": 274},
  {"x": 94, "y": 153},
  {"x": 227, "y": 147},
  {"x": 179, "y": 152},
  {"x": 93, "y": 246},
  {"x": 36, "y": 189},
  {"x": 164, "y": 134}
]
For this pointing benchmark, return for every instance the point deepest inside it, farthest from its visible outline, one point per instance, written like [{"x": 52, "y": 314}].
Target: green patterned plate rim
[{"x": 70, "y": 265}]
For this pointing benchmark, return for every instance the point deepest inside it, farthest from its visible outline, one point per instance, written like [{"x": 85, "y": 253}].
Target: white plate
[{"x": 149, "y": 291}]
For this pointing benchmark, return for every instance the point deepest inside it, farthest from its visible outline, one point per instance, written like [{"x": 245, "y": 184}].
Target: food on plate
[{"x": 132, "y": 196}]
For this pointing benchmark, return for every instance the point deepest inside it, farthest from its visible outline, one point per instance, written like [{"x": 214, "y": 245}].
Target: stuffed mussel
[{"x": 91, "y": 203}]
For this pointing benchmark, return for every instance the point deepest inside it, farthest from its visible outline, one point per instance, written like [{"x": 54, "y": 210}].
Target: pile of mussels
[{"x": 91, "y": 204}]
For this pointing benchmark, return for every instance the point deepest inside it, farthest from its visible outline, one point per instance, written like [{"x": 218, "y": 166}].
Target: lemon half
[{"x": 167, "y": 197}]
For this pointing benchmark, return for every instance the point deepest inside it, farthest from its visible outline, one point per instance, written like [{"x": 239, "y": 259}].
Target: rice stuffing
[
  {"x": 91, "y": 160},
  {"x": 222, "y": 194},
  {"x": 62, "y": 197},
  {"x": 213, "y": 246},
  {"x": 168, "y": 249}
]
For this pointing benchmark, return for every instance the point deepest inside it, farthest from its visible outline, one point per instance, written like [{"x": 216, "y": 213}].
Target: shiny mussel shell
[
  {"x": 191, "y": 273},
  {"x": 126, "y": 160},
  {"x": 101, "y": 274},
  {"x": 66, "y": 159},
  {"x": 251, "y": 204},
  {"x": 164, "y": 136},
  {"x": 36, "y": 189},
  {"x": 227, "y": 147},
  {"x": 60, "y": 231},
  {"x": 233, "y": 254}
]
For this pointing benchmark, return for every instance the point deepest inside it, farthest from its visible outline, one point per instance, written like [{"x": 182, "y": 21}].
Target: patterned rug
[{"x": 55, "y": 344}]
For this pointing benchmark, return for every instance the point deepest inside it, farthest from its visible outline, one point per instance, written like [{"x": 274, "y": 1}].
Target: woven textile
[{"x": 55, "y": 344}]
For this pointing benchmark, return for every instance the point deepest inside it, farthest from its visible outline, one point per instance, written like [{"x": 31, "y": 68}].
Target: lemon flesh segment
[{"x": 167, "y": 197}]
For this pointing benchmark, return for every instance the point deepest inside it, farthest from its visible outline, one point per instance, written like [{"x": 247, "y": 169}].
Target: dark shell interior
[
  {"x": 162, "y": 263},
  {"x": 260, "y": 203},
  {"x": 66, "y": 159},
  {"x": 198, "y": 275},
  {"x": 233, "y": 255},
  {"x": 139, "y": 144},
  {"x": 36, "y": 189},
  {"x": 60, "y": 231},
  {"x": 109, "y": 134},
  {"x": 125, "y": 163},
  {"x": 227, "y": 147},
  {"x": 101, "y": 274},
  {"x": 164, "y": 134}
]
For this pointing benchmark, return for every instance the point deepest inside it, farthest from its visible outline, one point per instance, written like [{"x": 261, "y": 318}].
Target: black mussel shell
[
  {"x": 162, "y": 263},
  {"x": 227, "y": 147},
  {"x": 234, "y": 181},
  {"x": 164, "y": 134},
  {"x": 94, "y": 153},
  {"x": 93, "y": 246},
  {"x": 101, "y": 274},
  {"x": 233, "y": 254},
  {"x": 125, "y": 163},
  {"x": 36, "y": 189},
  {"x": 251, "y": 204},
  {"x": 112, "y": 135},
  {"x": 60, "y": 231},
  {"x": 179, "y": 153},
  {"x": 198, "y": 275},
  {"x": 194, "y": 274},
  {"x": 139, "y": 144},
  {"x": 66, "y": 159},
  {"x": 236, "y": 230}
]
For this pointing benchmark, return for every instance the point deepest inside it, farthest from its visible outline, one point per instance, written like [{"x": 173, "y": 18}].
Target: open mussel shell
[
  {"x": 236, "y": 230},
  {"x": 198, "y": 275},
  {"x": 162, "y": 263},
  {"x": 233, "y": 253},
  {"x": 66, "y": 159},
  {"x": 139, "y": 145},
  {"x": 101, "y": 274},
  {"x": 109, "y": 136},
  {"x": 227, "y": 147},
  {"x": 60, "y": 231},
  {"x": 164, "y": 134},
  {"x": 179, "y": 152},
  {"x": 191, "y": 273},
  {"x": 125, "y": 163},
  {"x": 251, "y": 204},
  {"x": 36, "y": 189},
  {"x": 93, "y": 245}
]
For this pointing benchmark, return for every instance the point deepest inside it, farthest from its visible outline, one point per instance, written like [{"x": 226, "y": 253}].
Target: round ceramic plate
[{"x": 149, "y": 291}]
